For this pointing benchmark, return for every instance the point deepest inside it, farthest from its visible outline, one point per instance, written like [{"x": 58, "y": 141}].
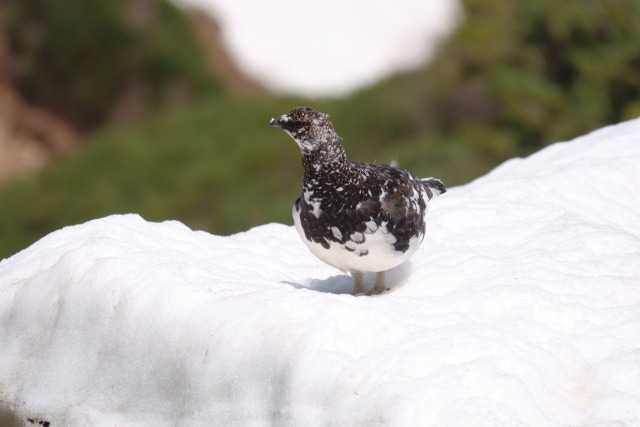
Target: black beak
[{"x": 274, "y": 122}]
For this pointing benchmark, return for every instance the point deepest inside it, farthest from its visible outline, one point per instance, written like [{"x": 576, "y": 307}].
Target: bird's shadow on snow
[
  {"x": 342, "y": 284},
  {"x": 338, "y": 284}
]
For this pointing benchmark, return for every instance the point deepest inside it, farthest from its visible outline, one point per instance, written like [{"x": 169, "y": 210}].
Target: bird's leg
[
  {"x": 378, "y": 285},
  {"x": 358, "y": 282}
]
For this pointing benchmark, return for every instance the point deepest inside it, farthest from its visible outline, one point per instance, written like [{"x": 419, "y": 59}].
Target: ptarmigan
[{"x": 354, "y": 216}]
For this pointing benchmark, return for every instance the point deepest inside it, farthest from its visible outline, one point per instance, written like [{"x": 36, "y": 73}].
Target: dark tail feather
[{"x": 434, "y": 187}]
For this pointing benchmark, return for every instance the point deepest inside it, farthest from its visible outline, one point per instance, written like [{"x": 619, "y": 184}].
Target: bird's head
[{"x": 310, "y": 129}]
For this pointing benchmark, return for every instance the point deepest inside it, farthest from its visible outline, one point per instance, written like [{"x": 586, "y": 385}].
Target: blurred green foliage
[
  {"x": 513, "y": 78},
  {"x": 79, "y": 57},
  {"x": 216, "y": 166},
  {"x": 542, "y": 71}
]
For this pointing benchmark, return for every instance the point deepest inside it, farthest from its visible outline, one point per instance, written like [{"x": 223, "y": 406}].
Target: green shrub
[
  {"x": 79, "y": 57},
  {"x": 542, "y": 71}
]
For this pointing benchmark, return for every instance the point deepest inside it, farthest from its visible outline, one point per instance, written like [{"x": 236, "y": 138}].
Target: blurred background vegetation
[{"x": 162, "y": 135}]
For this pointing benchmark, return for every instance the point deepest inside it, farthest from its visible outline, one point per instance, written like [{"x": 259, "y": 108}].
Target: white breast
[{"x": 375, "y": 253}]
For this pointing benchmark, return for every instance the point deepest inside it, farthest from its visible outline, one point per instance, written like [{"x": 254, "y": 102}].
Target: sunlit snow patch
[
  {"x": 522, "y": 307},
  {"x": 330, "y": 47}
]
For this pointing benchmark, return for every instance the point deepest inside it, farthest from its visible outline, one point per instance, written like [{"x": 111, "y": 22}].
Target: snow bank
[
  {"x": 522, "y": 307},
  {"x": 332, "y": 47}
]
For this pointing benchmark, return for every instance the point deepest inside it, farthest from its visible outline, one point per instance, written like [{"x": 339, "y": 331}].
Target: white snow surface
[
  {"x": 330, "y": 47},
  {"x": 521, "y": 308}
]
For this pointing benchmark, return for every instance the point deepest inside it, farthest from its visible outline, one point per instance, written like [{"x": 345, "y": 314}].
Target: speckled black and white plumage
[{"x": 354, "y": 216}]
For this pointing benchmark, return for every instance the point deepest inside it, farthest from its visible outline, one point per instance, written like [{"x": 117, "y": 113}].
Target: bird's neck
[{"x": 323, "y": 162}]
